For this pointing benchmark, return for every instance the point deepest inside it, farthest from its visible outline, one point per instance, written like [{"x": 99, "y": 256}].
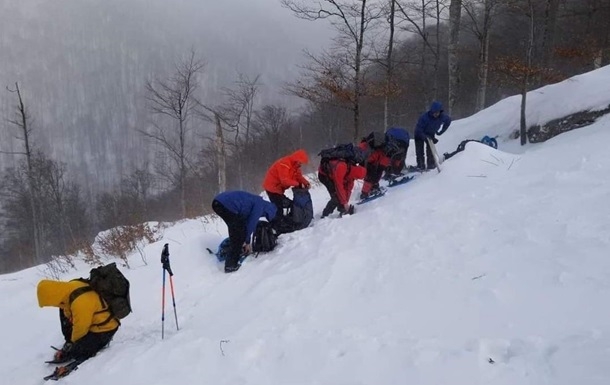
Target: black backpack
[
  {"x": 347, "y": 152},
  {"x": 300, "y": 213},
  {"x": 112, "y": 287},
  {"x": 265, "y": 238}
]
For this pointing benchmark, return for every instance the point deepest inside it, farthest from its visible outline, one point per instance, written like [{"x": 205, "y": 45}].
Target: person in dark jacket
[
  {"x": 397, "y": 145},
  {"x": 338, "y": 176},
  {"x": 376, "y": 162},
  {"x": 431, "y": 123},
  {"x": 241, "y": 212},
  {"x": 86, "y": 321}
]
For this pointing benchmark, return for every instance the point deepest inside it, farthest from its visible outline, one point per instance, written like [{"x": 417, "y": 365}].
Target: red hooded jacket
[{"x": 286, "y": 173}]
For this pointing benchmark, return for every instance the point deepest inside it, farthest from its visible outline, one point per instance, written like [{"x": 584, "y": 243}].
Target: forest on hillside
[{"x": 162, "y": 137}]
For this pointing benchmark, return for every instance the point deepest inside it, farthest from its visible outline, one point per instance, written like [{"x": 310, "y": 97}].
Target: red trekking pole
[{"x": 167, "y": 267}]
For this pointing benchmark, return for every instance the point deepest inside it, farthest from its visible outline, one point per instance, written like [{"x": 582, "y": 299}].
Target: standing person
[
  {"x": 85, "y": 319},
  {"x": 338, "y": 176},
  {"x": 283, "y": 174},
  {"x": 241, "y": 211},
  {"x": 431, "y": 123},
  {"x": 376, "y": 162}
]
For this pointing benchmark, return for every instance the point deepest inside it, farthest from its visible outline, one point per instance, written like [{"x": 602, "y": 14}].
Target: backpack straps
[{"x": 85, "y": 289}]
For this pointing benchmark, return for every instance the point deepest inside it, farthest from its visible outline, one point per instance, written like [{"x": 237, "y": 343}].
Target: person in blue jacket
[
  {"x": 431, "y": 123},
  {"x": 241, "y": 211},
  {"x": 396, "y": 147}
]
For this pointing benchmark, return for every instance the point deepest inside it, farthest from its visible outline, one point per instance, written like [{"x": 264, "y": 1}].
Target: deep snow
[{"x": 501, "y": 256}]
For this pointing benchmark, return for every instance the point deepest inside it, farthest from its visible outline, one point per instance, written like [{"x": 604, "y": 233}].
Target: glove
[
  {"x": 63, "y": 354},
  {"x": 433, "y": 139},
  {"x": 246, "y": 248}
]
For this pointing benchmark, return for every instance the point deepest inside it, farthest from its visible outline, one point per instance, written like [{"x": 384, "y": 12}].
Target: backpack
[
  {"x": 347, "y": 152},
  {"x": 491, "y": 142},
  {"x": 223, "y": 249},
  {"x": 265, "y": 238},
  {"x": 111, "y": 286},
  {"x": 300, "y": 213}
]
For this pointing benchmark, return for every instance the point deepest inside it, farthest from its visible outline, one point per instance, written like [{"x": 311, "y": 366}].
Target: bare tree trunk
[
  {"x": 437, "y": 56},
  {"x": 357, "y": 67},
  {"x": 455, "y": 9},
  {"x": 484, "y": 56},
  {"x": 221, "y": 156},
  {"x": 526, "y": 76},
  {"x": 548, "y": 34},
  {"x": 22, "y": 121},
  {"x": 389, "y": 64}
]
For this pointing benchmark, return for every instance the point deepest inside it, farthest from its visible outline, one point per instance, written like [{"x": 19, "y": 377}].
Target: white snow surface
[{"x": 495, "y": 271}]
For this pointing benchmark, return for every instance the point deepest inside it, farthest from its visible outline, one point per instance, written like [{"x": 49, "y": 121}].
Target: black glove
[{"x": 433, "y": 139}]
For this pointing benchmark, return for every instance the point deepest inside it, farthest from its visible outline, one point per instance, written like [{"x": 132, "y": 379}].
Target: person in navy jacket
[
  {"x": 431, "y": 123},
  {"x": 397, "y": 145},
  {"x": 241, "y": 211}
]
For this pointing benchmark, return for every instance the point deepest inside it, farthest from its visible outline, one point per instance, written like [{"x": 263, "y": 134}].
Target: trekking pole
[
  {"x": 437, "y": 160},
  {"x": 167, "y": 267},
  {"x": 163, "y": 299}
]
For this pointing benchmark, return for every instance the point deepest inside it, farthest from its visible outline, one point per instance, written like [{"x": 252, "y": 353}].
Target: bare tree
[
  {"x": 175, "y": 99},
  {"x": 237, "y": 113},
  {"x": 481, "y": 14},
  {"x": 416, "y": 14},
  {"x": 271, "y": 122},
  {"x": 22, "y": 121},
  {"x": 221, "y": 156},
  {"x": 455, "y": 10},
  {"x": 351, "y": 19}
]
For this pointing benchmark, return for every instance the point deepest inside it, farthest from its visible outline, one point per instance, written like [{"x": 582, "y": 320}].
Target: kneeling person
[{"x": 86, "y": 322}]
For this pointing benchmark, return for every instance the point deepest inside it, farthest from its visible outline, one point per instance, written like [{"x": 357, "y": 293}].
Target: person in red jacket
[
  {"x": 338, "y": 176},
  {"x": 282, "y": 175},
  {"x": 376, "y": 162}
]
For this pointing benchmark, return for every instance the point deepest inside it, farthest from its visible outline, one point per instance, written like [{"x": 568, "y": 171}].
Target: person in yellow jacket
[{"x": 86, "y": 323}]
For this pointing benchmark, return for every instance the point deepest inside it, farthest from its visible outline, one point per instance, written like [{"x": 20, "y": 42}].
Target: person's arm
[
  {"x": 83, "y": 309},
  {"x": 255, "y": 215},
  {"x": 446, "y": 124}
]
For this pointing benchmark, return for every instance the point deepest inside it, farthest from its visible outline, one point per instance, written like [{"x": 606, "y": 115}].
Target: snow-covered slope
[
  {"x": 495, "y": 271},
  {"x": 589, "y": 91}
]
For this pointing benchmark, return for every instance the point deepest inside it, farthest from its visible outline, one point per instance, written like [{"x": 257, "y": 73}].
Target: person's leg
[
  {"x": 332, "y": 191},
  {"x": 371, "y": 182},
  {"x": 237, "y": 234},
  {"x": 279, "y": 200},
  {"x": 90, "y": 344},
  {"x": 430, "y": 162}
]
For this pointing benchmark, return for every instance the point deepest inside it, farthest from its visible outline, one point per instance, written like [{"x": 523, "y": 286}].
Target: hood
[
  {"x": 436, "y": 106},
  {"x": 398, "y": 133},
  {"x": 357, "y": 172},
  {"x": 52, "y": 293},
  {"x": 300, "y": 156}
]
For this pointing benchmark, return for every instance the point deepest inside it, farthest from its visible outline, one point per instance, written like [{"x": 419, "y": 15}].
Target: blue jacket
[
  {"x": 248, "y": 206},
  {"x": 428, "y": 125}
]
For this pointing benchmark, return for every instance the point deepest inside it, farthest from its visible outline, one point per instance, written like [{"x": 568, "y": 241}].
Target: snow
[{"x": 494, "y": 271}]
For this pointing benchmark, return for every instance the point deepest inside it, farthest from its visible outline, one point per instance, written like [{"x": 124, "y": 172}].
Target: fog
[{"x": 82, "y": 66}]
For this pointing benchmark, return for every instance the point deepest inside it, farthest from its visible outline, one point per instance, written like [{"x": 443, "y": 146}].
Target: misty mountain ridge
[{"x": 82, "y": 67}]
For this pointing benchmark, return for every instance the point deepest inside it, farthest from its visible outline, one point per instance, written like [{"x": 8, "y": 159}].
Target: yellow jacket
[{"x": 86, "y": 312}]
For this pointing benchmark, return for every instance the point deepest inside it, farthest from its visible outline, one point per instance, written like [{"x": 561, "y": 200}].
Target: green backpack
[{"x": 111, "y": 286}]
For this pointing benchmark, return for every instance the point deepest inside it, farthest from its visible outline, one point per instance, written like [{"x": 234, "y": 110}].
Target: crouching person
[
  {"x": 241, "y": 212},
  {"x": 86, "y": 322},
  {"x": 338, "y": 176}
]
